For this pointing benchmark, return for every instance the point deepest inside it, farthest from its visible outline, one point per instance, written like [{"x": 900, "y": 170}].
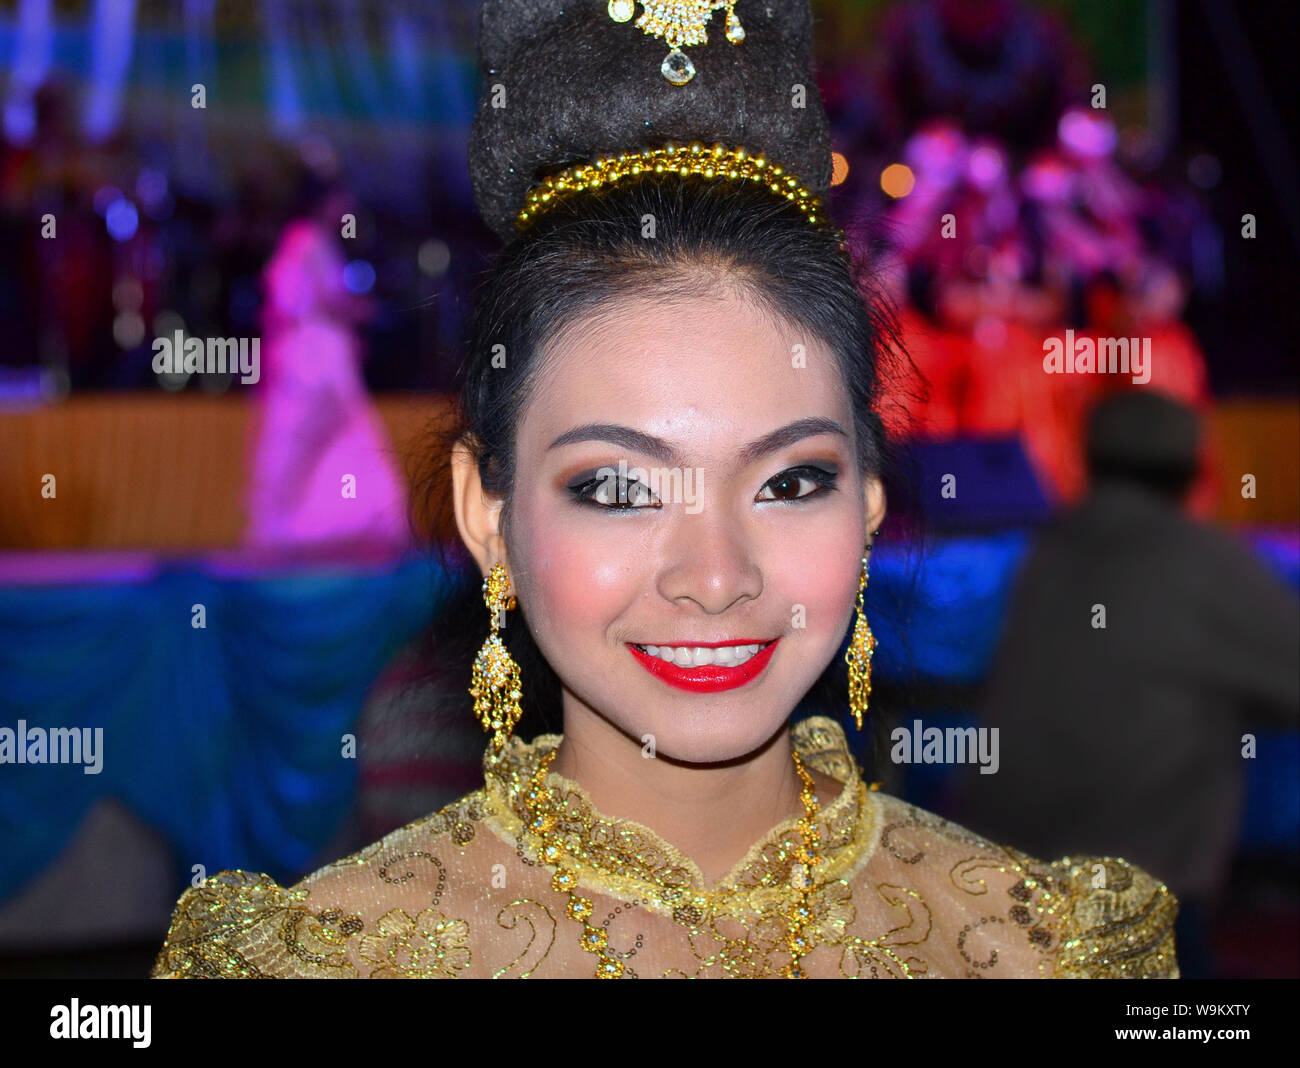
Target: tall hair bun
[{"x": 561, "y": 83}]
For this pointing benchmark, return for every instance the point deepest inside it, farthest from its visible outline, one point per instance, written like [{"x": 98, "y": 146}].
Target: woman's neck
[{"x": 712, "y": 814}]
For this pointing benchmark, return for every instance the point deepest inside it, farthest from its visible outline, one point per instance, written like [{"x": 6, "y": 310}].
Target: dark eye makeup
[
  {"x": 825, "y": 482},
  {"x": 627, "y": 493}
]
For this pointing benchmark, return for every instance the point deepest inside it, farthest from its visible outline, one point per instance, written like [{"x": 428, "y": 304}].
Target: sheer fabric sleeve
[
  {"x": 397, "y": 909},
  {"x": 244, "y": 925},
  {"x": 1117, "y": 921},
  {"x": 960, "y": 906}
]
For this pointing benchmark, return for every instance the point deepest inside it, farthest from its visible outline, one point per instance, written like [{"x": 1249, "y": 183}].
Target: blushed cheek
[
  {"x": 580, "y": 581},
  {"x": 823, "y": 579}
]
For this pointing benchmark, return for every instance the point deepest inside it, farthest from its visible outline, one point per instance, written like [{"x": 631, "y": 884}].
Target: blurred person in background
[
  {"x": 1139, "y": 647},
  {"x": 323, "y": 467}
]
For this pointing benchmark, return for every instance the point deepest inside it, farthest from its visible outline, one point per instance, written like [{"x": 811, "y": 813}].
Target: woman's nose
[{"x": 709, "y": 565}]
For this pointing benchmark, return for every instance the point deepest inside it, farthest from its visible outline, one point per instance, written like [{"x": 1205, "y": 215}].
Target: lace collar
[{"x": 625, "y": 859}]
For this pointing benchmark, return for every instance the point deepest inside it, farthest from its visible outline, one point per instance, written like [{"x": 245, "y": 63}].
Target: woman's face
[{"x": 746, "y": 522}]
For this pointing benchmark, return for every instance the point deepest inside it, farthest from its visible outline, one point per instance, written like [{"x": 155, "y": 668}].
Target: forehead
[{"x": 706, "y": 371}]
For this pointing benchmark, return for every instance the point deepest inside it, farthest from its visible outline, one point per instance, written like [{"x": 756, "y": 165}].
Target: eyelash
[{"x": 825, "y": 481}]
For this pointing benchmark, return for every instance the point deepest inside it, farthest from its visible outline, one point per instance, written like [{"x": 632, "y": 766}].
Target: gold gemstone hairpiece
[
  {"x": 718, "y": 161},
  {"x": 678, "y": 22}
]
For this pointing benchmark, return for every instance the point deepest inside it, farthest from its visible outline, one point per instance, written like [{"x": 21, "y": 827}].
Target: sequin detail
[{"x": 461, "y": 893}]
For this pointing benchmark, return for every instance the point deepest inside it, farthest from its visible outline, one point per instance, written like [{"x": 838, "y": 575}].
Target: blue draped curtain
[{"x": 226, "y": 738}]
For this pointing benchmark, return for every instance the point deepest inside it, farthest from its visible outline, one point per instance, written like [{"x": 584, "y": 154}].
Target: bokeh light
[
  {"x": 897, "y": 180},
  {"x": 434, "y": 257},
  {"x": 128, "y": 329},
  {"x": 839, "y": 168},
  {"x": 122, "y": 219},
  {"x": 359, "y": 276}
]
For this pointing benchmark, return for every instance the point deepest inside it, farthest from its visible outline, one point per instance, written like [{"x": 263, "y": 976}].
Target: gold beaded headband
[
  {"x": 719, "y": 161},
  {"x": 677, "y": 22}
]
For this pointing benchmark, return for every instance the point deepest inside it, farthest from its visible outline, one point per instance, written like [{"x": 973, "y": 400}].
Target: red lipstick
[{"x": 710, "y": 678}]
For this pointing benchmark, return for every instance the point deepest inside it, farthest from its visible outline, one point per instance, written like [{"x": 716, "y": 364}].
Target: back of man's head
[{"x": 1145, "y": 438}]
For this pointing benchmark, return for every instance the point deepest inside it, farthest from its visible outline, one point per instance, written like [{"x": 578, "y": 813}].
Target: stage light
[
  {"x": 434, "y": 257},
  {"x": 128, "y": 329},
  {"x": 986, "y": 167},
  {"x": 122, "y": 219},
  {"x": 897, "y": 180},
  {"x": 359, "y": 276},
  {"x": 1087, "y": 134},
  {"x": 839, "y": 168}
]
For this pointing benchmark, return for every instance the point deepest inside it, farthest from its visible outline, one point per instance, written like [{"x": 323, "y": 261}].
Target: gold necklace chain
[{"x": 537, "y": 798}]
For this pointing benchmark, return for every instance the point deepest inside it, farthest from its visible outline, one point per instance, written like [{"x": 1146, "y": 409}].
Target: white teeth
[{"x": 700, "y": 656}]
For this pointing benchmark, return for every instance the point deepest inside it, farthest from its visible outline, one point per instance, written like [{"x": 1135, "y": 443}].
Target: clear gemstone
[{"x": 677, "y": 67}]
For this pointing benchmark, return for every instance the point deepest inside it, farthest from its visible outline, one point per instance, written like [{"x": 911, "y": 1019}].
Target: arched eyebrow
[{"x": 668, "y": 454}]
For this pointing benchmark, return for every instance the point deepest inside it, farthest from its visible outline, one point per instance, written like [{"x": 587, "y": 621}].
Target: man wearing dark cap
[{"x": 1139, "y": 647}]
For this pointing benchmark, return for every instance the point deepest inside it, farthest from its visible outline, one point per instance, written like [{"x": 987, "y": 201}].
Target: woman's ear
[
  {"x": 874, "y": 494},
  {"x": 478, "y": 516}
]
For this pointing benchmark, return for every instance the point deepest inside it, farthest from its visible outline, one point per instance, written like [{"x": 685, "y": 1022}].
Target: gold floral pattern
[
  {"x": 463, "y": 892},
  {"x": 427, "y": 945}
]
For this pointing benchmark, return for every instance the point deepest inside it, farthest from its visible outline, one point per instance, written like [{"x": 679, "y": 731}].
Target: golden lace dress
[{"x": 901, "y": 893}]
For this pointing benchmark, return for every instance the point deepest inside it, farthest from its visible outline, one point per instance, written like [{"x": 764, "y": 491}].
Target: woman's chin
[{"x": 708, "y": 741}]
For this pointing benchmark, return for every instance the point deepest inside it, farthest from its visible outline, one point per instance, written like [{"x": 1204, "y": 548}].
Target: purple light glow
[
  {"x": 359, "y": 276},
  {"x": 122, "y": 219}
]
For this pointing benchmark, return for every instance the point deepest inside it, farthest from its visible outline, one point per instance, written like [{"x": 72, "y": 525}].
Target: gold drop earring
[
  {"x": 495, "y": 685},
  {"x": 858, "y": 655}
]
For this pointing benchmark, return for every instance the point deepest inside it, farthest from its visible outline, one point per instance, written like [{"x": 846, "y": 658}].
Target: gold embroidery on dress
[
  {"x": 460, "y": 892},
  {"x": 532, "y": 955},
  {"x": 423, "y": 946},
  {"x": 737, "y": 925},
  {"x": 621, "y": 857}
]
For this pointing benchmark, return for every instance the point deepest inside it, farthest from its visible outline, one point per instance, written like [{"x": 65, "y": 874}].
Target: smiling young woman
[{"x": 680, "y": 825}]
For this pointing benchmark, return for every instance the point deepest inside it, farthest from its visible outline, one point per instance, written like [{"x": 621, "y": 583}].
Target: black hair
[
  {"x": 562, "y": 83},
  {"x": 1145, "y": 439},
  {"x": 586, "y": 252}
]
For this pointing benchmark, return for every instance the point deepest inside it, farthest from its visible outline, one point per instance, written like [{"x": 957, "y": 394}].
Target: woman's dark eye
[
  {"x": 786, "y": 485},
  {"x": 613, "y": 493}
]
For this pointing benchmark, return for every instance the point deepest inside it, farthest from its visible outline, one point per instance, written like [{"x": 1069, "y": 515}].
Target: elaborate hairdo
[
  {"x": 577, "y": 85},
  {"x": 561, "y": 82}
]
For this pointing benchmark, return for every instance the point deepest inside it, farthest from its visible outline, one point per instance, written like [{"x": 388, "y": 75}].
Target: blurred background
[{"x": 288, "y": 179}]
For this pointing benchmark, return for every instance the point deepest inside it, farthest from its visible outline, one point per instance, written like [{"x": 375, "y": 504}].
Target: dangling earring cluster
[
  {"x": 858, "y": 655},
  {"x": 495, "y": 684}
]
